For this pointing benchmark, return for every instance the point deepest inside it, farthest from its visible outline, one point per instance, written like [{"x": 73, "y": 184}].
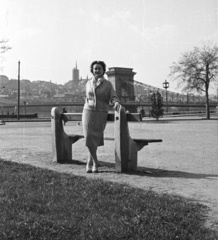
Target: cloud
[
  {"x": 31, "y": 32},
  {"x": 105, "y": 21},
  {"x": 164, "y": 32},
  {"x": 124, "y": 15}
]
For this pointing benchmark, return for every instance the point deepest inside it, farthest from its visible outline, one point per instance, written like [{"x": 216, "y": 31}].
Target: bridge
[
  {"x": 133, "y": 94},
  {"x": 43, "y": 110}
]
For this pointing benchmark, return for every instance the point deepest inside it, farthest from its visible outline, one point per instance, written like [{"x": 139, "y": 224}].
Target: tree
[
  {"x": 3, "y": 49},
  {"x": 157, "y": 105},
  {"x": 196, "y": 70}
]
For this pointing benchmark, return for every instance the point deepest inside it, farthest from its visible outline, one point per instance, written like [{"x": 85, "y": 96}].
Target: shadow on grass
[
  {"x": 162, "y": 173},
  {"x": 73, "y": 161},
  {"x": 158, "y": 173},
  {"x": 108, "y": 167}
]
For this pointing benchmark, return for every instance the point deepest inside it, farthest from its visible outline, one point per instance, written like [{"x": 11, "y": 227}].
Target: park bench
[{"x": 126, "y": 148}]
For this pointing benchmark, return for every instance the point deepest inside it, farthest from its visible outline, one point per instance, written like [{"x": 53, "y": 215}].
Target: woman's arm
[{"x": 114, "y": 99}]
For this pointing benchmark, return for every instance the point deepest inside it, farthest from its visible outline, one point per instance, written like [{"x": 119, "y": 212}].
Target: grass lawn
[{"x": 41, "y": 204}]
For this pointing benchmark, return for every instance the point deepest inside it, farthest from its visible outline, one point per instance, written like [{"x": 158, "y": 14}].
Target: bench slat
[
  {"x": 78, "y": 136},
  {"x": 75, "y": 135},
  {"x": 112, "y": 138},
  {"x": 147, "y": 140},
  {"x": 131, "y": 117},
  {"x": 109, "y": 138}
]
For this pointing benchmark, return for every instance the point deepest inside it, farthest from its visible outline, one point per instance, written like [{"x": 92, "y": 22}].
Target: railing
[{"x": 43, "y": 110}]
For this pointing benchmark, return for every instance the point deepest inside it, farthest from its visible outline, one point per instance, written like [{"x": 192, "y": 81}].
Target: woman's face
[{"x": 98, "y": 71}]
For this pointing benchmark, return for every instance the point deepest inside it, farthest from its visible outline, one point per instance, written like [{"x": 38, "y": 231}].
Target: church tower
[{"x": 75, "y": 74}]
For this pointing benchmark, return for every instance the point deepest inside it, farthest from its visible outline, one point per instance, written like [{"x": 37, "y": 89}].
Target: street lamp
[
  {"x": 25, "y": 103},
  {"x": 18, "y": 92},
  {"x": 2, "y": 103},
  {"x": 150, "y": 93},
  {"x": 166, "y": 85}
]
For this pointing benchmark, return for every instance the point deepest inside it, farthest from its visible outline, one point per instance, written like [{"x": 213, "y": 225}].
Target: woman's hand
[{"x": 117, "y": 106}]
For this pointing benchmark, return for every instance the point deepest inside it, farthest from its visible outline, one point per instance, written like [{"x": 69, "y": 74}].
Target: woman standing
[{"x": 99, "y": 93}]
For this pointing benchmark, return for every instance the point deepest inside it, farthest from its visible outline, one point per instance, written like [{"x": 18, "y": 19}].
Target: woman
[{"x": 99, "y": 93}]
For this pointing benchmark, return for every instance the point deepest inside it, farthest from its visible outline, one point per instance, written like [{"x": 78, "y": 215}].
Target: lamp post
[
  {"x": 150, "y": 93},
  {"x": 187, "y": 103},
  {"x": 166, "y": 85},
  {"x": 18, "y": 93},
  {"x": 2, "y": 104},
  {"x": 25, "y": 105}
]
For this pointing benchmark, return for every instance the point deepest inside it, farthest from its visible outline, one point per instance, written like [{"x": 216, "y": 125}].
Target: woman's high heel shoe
[
  {"x": 88, "y": 169},
  {"x": 95, "y": 169}
]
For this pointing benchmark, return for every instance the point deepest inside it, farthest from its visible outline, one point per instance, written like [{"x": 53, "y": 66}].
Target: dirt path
[{"x": 184, "y": 164}]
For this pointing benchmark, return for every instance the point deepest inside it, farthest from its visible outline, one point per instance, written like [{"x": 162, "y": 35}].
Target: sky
[{"x": 49, "y": 37}]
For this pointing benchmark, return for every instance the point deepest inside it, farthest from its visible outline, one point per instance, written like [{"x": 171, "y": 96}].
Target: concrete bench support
[
  {"x": 126, "y": 148},
  {"x": 61, "y": 142}
]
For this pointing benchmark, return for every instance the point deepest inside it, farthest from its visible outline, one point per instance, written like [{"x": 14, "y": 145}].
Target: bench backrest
[{"x": 131, "y": 117}]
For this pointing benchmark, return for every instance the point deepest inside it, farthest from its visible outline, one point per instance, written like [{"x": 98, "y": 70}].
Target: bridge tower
[{"x": 122, "y": 80}]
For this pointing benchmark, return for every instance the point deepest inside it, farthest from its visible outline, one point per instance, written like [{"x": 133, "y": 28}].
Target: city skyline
[{"x": 49, "y": 37}]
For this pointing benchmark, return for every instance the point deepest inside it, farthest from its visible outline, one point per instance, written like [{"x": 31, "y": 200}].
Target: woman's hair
[{"x": 98, "y": 62}]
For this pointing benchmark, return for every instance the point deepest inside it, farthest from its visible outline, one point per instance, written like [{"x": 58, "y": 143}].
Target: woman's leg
[
  {"x": 90, "y": 161},
  {"x": 93, "y": 155}
]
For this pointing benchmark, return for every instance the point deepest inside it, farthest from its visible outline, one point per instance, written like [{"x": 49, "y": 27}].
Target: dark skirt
[{"x": 94, "y": 123}]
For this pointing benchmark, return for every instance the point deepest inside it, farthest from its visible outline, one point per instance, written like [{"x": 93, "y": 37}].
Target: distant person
[
  {"x": 99, "y": 93},
  {"x": 64, "y": 110},
  {"x": 142, "y": 112},
  {"x": 64, "y": 118}
]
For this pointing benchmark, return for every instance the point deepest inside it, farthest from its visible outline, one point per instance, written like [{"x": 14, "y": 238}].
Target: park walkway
[{"x": 185, "y": 163}]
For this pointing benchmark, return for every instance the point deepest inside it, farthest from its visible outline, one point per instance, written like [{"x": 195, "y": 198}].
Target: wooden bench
[
  {"x": 126, "y": 148},
  {"x": 62, "y": 142}
]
